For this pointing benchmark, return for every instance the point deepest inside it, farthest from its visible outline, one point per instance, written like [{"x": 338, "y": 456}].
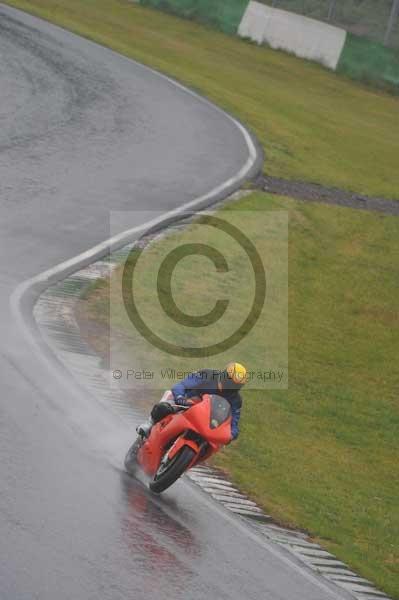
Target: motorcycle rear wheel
[{"x": 173, "y": 470}]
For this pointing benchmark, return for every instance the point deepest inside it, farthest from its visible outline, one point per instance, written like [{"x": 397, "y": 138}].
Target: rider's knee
[{"x": 167, "y": 397}]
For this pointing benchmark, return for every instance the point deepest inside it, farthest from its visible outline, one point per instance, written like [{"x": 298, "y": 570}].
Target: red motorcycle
[{"x": 181, "y": 440}]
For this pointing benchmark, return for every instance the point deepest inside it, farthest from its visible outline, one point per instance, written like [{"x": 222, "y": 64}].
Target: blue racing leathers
[{"x": 206, "y": 382}]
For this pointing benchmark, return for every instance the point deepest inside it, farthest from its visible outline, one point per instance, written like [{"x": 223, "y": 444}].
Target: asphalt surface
[{"x": 84, "y": 131}]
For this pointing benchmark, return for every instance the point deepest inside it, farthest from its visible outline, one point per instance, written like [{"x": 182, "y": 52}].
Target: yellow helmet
[{"x": 237, "y": 373}]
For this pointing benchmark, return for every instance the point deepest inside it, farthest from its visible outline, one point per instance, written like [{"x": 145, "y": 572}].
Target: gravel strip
[{"x": 313, "y": 192}]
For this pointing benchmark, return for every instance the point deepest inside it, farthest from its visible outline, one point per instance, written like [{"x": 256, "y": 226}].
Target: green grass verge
[
  {"x": 323, "y": 454},
  {"x": 313, "y": 124}
]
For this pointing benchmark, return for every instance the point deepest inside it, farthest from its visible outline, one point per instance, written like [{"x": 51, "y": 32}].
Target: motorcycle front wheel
[
  {"x": 131, "y": 456},
  {"x": 169, "y": 472}
]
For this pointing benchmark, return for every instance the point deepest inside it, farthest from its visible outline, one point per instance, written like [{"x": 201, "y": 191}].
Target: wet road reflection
[{"x": 159, "y": 544}]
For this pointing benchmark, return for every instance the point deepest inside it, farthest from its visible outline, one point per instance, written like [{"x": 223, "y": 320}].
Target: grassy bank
[
  {"x": 312, "y": 124},
  {"x": 323, "y": 454}
]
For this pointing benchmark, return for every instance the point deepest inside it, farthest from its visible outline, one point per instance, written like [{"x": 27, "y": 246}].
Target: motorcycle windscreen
[{"x": 220, "y": 411}]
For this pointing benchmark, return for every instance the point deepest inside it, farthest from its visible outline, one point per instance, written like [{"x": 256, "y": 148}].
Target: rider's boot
[{"x": 145, "y": 428}]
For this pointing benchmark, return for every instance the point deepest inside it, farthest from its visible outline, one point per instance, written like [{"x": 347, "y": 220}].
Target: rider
[{"x": 225, "y": 383}]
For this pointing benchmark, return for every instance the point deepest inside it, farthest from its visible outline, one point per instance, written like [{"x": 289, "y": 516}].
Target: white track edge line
[{"x": 123, "y": 237}]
